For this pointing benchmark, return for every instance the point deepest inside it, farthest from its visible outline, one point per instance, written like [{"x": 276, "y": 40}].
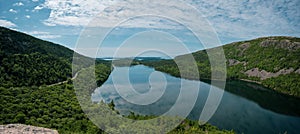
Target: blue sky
[{"x": 62, "y": 21}]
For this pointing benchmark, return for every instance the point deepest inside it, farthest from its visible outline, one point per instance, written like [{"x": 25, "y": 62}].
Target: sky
[{"x": 63, "y": 22}]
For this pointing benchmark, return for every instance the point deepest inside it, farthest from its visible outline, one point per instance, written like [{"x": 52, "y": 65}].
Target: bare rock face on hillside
[
  {"x": 243, "y": 47},
  {"x": 24, "y": 129},
  {"x": 285, "y": 44},
  {"x": 232, "y": 62},
  {"x": 298, "y": 71},
  {"x": 263, "y": 74}
]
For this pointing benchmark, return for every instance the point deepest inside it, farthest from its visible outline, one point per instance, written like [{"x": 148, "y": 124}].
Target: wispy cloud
[
  {"x": 252, "y": 18},
  {"x": 27, "y": 16},
  {"x": 18, "y": 4},
  {"x": 72, "y": 13},
  {"x": 81, "y": 13},
  {"x": 37, "y": 8},
  {"x": 242, "y": 19},
  {"x": 6, "y": 23},
  {"x": 47, "y": 36},
  {"x": 43, "y": 35},
  {"x": 12, "y": 11}
]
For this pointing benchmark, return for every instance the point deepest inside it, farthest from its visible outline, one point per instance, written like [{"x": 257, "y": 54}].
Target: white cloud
[
  {"x": 35, "y": 0},
  {"x": 27, "y": 16},
  {"x": 74, "y": 13},
  {"x": 5, "y": 23},
  {"x": 12, "y": 11},
  {"x": 36, "y": 32},
  {"x": 110, "y": 13},
  {"x": 43, "y": 35},
  {"x": 249, "y": 19},
  {"x": 239, "y": 19},
  {"x": 18, "y": 4},
  {"x": 37, "y": 8},
  {"x": 48, "y": 36}
]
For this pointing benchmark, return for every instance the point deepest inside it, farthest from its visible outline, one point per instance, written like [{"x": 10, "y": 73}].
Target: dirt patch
[{"x": 24, "y": 129}]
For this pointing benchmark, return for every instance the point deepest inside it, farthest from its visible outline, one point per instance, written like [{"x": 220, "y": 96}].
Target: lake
[{"x": 245, "y": 107}]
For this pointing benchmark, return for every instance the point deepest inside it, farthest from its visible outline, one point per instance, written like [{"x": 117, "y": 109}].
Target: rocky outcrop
[
  {"x": 232, "y": 62},
  {"x": 263, "y": 74},
  {"x": 243, "y": 47},
  {"x": 298, "y": 71},
  {"x": 24, "y": 129},
  {"x": 284, "y": 44}
]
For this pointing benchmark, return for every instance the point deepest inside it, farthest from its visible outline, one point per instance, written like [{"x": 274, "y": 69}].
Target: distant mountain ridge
[{"x": 131, "y": 58}]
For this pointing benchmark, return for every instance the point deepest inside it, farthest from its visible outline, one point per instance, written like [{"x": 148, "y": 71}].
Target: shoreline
[{"x": 246, "y": 80}]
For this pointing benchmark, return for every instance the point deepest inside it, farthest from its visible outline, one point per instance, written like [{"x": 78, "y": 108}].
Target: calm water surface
[{"x": 244, "y": 109}]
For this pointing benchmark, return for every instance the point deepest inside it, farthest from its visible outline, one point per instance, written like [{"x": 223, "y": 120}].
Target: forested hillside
[
  {"x": 271, "y": 61},
  {"x": 28, "y": 66},
  {"x": 28, "y": 61},
  {"x": 53, "y": 107}
]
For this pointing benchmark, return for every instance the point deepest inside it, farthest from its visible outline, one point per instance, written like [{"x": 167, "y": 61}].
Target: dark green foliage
[
  {"x": 288, "y": 84},
  {"x": 125, "y": 62},
  {"x": 29, "y": 64},
  {"x": 33, "y": 69},
  {"x": 102, "y": 71},
  {"x": 193, "y": 127},
  {"x": 13, "y": 42},
  {"x": 53, "y": 107},
  {"x": 186, "y": 126},
  {"x": 269, "y": 58},
  {"x": 28, "y": 61},
  {"x": 111, "y": 105},
  {"x": 168, "y": 66}
]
